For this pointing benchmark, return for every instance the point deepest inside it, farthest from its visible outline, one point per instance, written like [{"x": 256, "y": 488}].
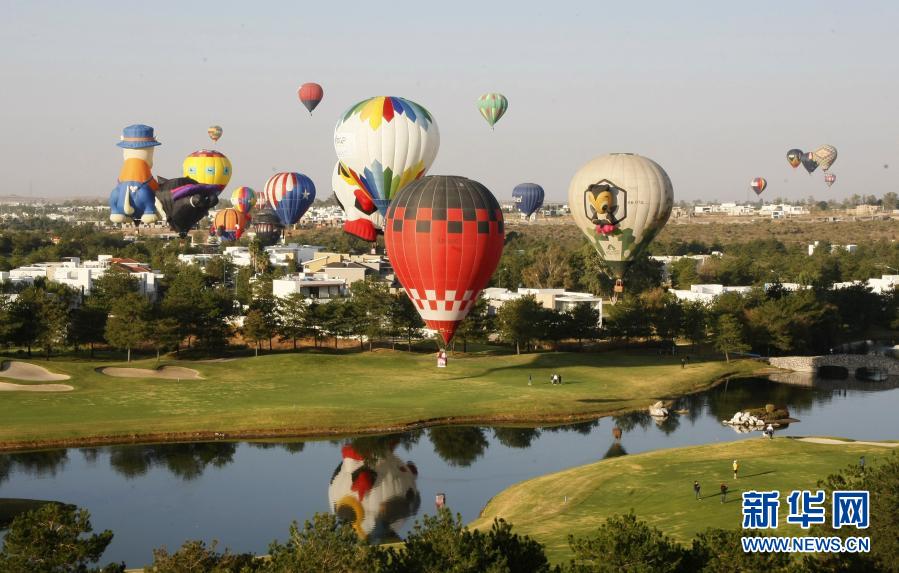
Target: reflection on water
[
  {"x": 375, "y": 491},
  {"x": 246, "y": 494}
]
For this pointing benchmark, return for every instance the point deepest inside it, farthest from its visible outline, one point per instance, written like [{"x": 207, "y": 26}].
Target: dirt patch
[
  {"x": 166, "y": 372},
  {"x": 10, "y": 387},
  {"x": 30, "y": 373}
]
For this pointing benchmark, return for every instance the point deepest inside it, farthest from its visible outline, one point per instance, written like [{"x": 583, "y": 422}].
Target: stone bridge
[{"x": 851, "y": 362}]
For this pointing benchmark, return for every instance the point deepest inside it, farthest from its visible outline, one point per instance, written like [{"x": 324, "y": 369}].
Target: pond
[{"x": 246, "y": 494}]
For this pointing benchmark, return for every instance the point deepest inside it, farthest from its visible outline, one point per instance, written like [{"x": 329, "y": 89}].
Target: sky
[{"x": 715, "y": 92}]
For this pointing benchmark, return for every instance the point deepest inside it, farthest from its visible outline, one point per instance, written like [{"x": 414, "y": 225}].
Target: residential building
[
  {"x": 552, "y": 298},
  {"x": 80, "y": 275},
  {"x": 312, "y": 286},
  {"x": 707, "y": 293}
]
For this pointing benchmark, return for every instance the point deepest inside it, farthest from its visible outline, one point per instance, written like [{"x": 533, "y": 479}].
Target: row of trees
[
  {"x": 60, "y": 539},
  {"x": 199, "y": 308}
]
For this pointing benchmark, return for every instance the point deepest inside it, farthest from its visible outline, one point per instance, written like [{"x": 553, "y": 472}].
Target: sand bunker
[
  {"x": 10, "y": 387},
  {"x": 30, "y": 373},
  {"x": 166, "y": 372}
]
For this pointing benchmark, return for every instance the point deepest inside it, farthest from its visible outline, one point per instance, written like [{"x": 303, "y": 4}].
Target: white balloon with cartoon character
[{"x": 375, "y": 495}]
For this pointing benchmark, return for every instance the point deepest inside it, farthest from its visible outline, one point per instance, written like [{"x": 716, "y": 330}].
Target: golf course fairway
[
  {"x": 658, "y": 487},
  {"x": 314, "y": 393}
]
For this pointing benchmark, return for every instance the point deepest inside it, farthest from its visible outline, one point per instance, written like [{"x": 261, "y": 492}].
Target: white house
[
  {"x": 313, "y": 286},
  {"x": 552, "y": 298},
  {"x": 707, "y": 293},
  {"x": 81, "y": 275}
]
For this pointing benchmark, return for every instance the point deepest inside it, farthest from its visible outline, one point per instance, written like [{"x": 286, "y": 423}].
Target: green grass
[
  {"x": 658, "y": 487},
  {"x": 310, "y": 393}
]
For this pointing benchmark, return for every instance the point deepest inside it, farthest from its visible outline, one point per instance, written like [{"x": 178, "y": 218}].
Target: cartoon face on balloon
[{"x": 606, "y": 206}]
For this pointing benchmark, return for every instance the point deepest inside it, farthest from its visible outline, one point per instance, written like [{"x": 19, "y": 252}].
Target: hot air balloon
[
  {"x": 208, "y": 167},
  {"x": 492, "y": 106},
  {"x": 229, "y": 224},
  {"x": 289, "y": 195},
  {"x": 310, "y": 94},
  {"x": 826, "y": 155},
  {"x": 794, "y": 156},
  {"x": 215, "y": 132},
  {"x": 620, "y": 201},
  {"x": 267, "y": 226},
  {"x": 758, "y": 185},
  {"x": 829, "y": 178},
  {"x": 809, "y": 162},
  {"x": 243, "y": 199},
  {"x": 375, "y": 494},
  {"x": 445, "y": 236},
  {"x": 385, "y": 143},
  {"x": 184, "y": 202},
  {"x": 363, "y": 219},
  {"x": 528, "y": 197}
]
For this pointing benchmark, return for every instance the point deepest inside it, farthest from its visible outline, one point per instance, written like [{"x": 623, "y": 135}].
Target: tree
[
  {"x": 112, "y": 285},
  {"x": 684, "y": 273},
  {"x": 518, "y": 321},
  {"x": 881, "y": 479},
  {"x": 583, "y": 322},
  {"x": 373, "y": 298},
  {"x": 292, "y": 311},
  {"x": 255, "y": 328},
  {"x": 476, "y": 327},
  {"x": 404, "y": 319},
  {"x": 127, "y": 325},
  {"x": 164, "y": 332},
  {"x": 624, "y": 544},
  {"x": 442, "y": 543},
  {"x": 324, "y": 545},
  {"x": 720, "y": 550},
  {"x": 729, "y": 336},
  {"x": 195, "y": 556},
  {"x": 88, "y": 325},
  {"x": 54, "y": 317},
  {"x": 54, "y": 538},
  {"x": 183, "y": 300},
  {"x": 24, "y": 328},
  {"x": 549, "y": 269}
]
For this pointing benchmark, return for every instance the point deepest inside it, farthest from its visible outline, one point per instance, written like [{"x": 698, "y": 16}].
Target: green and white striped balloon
[{"x": 492, "y": 106}]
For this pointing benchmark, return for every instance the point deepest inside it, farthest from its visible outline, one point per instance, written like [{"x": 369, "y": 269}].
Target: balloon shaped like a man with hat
[{"x": 134, "y": 197}]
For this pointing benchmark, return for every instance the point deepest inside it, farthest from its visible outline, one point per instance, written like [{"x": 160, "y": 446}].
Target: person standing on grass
[
  {"x": 736, "y": 468},
  {"x": 861, "y": 463},
  {"x": 696, "y": 489},
  {"x": 723, "y": 493},
  {"x": 683, "y": 363}
]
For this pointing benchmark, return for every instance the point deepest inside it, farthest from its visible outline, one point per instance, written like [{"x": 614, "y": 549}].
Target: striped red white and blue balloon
[
  {"x": 289, "y": 195},
  {"x": 528, "y": 197}
]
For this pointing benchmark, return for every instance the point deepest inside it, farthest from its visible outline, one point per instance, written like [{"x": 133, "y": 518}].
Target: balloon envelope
[
  {"x": 385, "y": 143},
  {"x": 825, "y": 155},
  {"x": 363, "y": 219},
  {"x": 620, "y": 201},
  {"x": 243, "y": 199},
  {"x": 794, "y": 156},
  {"x": 310, "y": 95},
  {"x": 758, "y": 185},
  {"x": 229, "y": 224},
  {"x": 184, "y": 202},
  {"x": 208, "y": 167},
  {"x": 215, "y": 132},
  {"x": 809, "y": 162},
  {"x": 492, "y": 107},
  {"x": 267, "y": 226},
  {"x": 829, "y": 178},
  {"x": 528, "y": 197},
  {"x": 289, "y": 195},
  {"x": 444, "y": 236}
]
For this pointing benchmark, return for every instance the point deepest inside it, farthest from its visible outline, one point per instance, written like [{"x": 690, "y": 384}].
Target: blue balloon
[
  {"x": 289, "y": 195},
  {"x": 528, "y": 197}
]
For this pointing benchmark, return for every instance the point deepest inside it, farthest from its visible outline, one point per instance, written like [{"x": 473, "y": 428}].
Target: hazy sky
[{"x": 716, "y": 92}]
